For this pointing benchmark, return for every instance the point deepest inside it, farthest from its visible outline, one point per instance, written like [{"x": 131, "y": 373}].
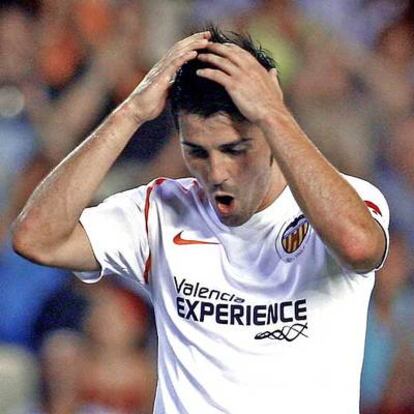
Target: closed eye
[
  {"x": 237, "y": 149},
  {"x": 197, "y": 153},
  {"x": 234, "y": 148}
]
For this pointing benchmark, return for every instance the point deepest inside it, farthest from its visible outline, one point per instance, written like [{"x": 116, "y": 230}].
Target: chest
[{"x": 273, "y": 262}]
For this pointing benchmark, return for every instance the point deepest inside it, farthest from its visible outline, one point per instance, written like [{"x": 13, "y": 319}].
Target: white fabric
[{"x": 243, "y": 325}]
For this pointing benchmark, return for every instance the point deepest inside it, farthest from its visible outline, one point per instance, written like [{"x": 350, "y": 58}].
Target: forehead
[{"x": 215, "y": 130}]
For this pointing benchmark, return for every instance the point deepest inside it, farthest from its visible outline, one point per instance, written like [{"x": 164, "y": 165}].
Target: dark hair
[{"x": 196, "y": 95}]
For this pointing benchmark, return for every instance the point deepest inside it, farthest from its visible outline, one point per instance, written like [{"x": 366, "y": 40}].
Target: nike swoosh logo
[{"x": 179, "y": 240}]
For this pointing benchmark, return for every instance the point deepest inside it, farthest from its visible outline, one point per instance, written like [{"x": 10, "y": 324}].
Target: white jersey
[{"x": 256, "y": 318}]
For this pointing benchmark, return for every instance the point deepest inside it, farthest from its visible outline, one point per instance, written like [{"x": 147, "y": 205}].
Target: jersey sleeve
[
  {"x": 377, "y": 206},
  {"x": 116, "y": 229}
]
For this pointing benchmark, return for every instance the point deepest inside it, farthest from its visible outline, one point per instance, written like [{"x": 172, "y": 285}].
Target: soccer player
[{"x": 260, "y": 267}]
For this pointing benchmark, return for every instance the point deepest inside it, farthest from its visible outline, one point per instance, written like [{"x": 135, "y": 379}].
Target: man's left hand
[{"x": 254, "y": 90}]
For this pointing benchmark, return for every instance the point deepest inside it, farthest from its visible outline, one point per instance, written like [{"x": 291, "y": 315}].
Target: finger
[
  {"x": 232, "y": 52},
  {"x": 176, "y": 52},
  {"x": 176, "y": 63},
  {"x": 206, "y": 34},
  {"x": 194, "y": 44},
  {"x": 220, "y": 62},
  {"x": 198, "y": 35},
  {"x": 183, "y": 58},
  {"x": 215, "y": 75},
  {"x": 195, "y": 37}
]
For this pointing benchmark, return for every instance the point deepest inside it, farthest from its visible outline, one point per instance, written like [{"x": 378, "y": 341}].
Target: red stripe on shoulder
[
  {"x": 373, "y": 206},
  {"x": 147, "y": 268},
  {"x": 150, "y": 188}
]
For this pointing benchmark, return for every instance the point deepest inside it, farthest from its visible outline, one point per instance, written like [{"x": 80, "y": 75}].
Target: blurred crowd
[{"x": 347, "y": 70}]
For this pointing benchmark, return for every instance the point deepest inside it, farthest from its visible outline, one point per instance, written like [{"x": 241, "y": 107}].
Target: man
[{"x": 259, "y": 269}]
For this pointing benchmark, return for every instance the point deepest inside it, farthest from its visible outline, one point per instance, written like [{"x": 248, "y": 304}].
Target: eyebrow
[{"x": 223, "y": 146}]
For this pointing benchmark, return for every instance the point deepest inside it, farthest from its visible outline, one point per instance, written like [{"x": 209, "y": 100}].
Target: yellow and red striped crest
[
  {"x": 292, "y": 240},
  {"x": 294, "y": 234}
]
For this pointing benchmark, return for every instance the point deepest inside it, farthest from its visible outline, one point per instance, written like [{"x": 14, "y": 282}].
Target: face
[{"x": 233, "y": 162}]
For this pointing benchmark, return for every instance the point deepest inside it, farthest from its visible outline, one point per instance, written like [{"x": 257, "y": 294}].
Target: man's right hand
[{"x": 149, "y": 98}]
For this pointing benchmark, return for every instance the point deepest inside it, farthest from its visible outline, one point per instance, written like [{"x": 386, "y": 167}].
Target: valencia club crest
[{"x": 293, "y": 236}]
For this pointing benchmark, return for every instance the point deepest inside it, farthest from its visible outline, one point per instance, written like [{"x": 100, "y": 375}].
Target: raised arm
[
  {"x": 333, "y": 207},
  {"x": 47, "y": 231}
]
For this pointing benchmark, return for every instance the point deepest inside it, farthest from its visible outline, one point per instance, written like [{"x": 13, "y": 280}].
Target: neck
[{"x": 277, "y": 184}]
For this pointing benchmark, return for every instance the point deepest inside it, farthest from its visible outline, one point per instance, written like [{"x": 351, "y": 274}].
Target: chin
[{"x": 233, "y": 221}]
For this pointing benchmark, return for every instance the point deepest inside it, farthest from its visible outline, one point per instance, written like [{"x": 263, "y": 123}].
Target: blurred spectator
[
  {"x": 358, "y": 21},
  {"x": 18, "y": 88},
  {"x": 338, "y": 116},
  {"x": 65, "y": 309},
  {"x": 385, "y": 387},
  {"x": 279, "y": 27},
  {"x": 223, "y": 12},
  {"x": 395, "y": 52},
  {"x": 165, "y": 23},
  {"x": 107, "y": 369},
  {"x": 21, "y": 93},
  {"x": 24, "y": 287},
  {"x": 18, "y": 379},
  {"x": 395, "y": 175},
  {"x": 61, "y": 367}
]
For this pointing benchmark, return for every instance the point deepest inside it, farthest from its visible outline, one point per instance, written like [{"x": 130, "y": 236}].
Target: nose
[{"x": 217, "y": 170}]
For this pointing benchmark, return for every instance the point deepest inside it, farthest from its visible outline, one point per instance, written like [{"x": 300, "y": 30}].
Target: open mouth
[{"x": 224, "y": 203}]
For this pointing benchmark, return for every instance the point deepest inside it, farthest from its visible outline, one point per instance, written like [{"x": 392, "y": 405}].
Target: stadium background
[{"x": 348, "y": 75}]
